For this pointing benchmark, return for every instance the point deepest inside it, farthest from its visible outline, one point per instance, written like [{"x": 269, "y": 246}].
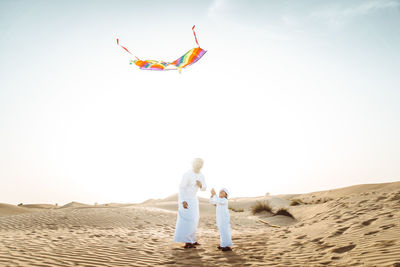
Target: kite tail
[
  {"x": 126, "y": 49},
  {"x": 195, "y": 35}
]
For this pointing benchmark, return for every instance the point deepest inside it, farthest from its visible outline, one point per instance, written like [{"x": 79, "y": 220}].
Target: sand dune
[
  {"x": 75, "y": 205},
  {"x": 7, "y": 209},
  {"x": 353, "y": 226},
  {"x": 40, "y": 206}
]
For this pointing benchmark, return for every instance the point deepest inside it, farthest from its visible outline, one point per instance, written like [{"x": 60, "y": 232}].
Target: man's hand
[
  {"x": 185, "y": 204},
  {"x": 213, "y": 192},
  {"x": 198, "y": 183}
]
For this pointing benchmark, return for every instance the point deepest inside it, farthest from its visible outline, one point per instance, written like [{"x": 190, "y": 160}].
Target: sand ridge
[{"x": 357, "y": 226}]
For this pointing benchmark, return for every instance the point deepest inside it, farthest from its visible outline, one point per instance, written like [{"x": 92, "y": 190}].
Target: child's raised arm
[
  {"x": 213, "y": 192},
  {"x": 217, "y": 200}
]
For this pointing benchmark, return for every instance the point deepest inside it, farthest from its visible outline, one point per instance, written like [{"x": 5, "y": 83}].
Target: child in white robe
[{"x": 223, "y": 218}]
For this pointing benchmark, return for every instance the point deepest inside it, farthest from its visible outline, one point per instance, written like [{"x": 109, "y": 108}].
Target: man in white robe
[{"x": 188, "y": 205}]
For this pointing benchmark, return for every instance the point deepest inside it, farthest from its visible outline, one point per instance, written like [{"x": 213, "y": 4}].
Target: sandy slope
[
  {"x": 7, "y": 209},
  {"x": 354, "y": 226}
]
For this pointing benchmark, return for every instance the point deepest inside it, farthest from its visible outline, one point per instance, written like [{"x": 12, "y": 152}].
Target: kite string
[
  {"x": 126, "y": 49},
  {"x": 195, "y": 35}
]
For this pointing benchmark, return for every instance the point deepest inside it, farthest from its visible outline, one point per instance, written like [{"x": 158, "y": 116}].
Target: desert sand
[{"x": 352, "y": 226}]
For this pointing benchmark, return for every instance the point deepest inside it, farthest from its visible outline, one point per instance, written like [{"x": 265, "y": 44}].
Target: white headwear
[{"x": 226, "y": 191}]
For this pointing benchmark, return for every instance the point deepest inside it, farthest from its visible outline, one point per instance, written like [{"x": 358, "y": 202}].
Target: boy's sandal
[
  {"x": 219, "y": 247},
  {"x": 226, "y": 249},
  {"x": 196, "y": 244},
  {"x": 188, "y": 245}
]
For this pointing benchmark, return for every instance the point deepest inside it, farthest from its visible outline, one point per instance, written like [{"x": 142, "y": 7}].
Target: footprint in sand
[
  {"x": 371, "y": 233},
  {"x": 343, "y": 249},
  {"x": 368, "y": 222},
  {"x": 385, "y": 243},
  {"x": 385, "y": 227},
  {"x": 317, "y": 239},
  {"x": 339, "y": 231},
  {"x": 296, "y": 244}
]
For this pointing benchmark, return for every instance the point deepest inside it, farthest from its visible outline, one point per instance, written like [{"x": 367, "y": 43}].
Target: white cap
[{"x": 226, "y": 191}]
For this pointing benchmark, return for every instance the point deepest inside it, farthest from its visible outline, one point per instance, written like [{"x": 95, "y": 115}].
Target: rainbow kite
[{"x": 191, "y": 57}]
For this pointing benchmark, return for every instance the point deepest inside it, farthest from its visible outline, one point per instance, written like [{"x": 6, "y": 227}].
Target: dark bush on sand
[
  {"x": 261, "y": 206},
  {"x": 284, "y": 212},
  {"x": 296, "y": 202}
]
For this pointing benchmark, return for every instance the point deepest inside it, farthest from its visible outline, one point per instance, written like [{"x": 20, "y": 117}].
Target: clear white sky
[{"x": 291, "y": 97}]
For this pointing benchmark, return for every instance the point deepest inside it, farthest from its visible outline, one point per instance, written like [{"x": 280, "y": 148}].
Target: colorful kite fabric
[{"x": 191, "y": 57}]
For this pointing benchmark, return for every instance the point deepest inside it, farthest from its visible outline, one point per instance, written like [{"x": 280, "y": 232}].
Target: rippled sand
[{"x": 354, "y": 226}]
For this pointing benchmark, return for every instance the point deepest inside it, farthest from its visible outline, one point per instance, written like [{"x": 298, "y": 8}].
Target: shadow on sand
[
  {"x": 188, "y": 257},
  {"x": 204, "y": 258},
  {"x": 232, "y": 258}
]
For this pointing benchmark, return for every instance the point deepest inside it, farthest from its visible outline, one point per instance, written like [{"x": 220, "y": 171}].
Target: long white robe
[
  {"x": 188, "y": 219},
  {"x": 223, "y": 220}
]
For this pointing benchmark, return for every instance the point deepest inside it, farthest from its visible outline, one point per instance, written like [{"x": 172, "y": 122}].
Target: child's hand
[
  {"x": 198, "y": 183},
  {"x": 212, "y": 192}
]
